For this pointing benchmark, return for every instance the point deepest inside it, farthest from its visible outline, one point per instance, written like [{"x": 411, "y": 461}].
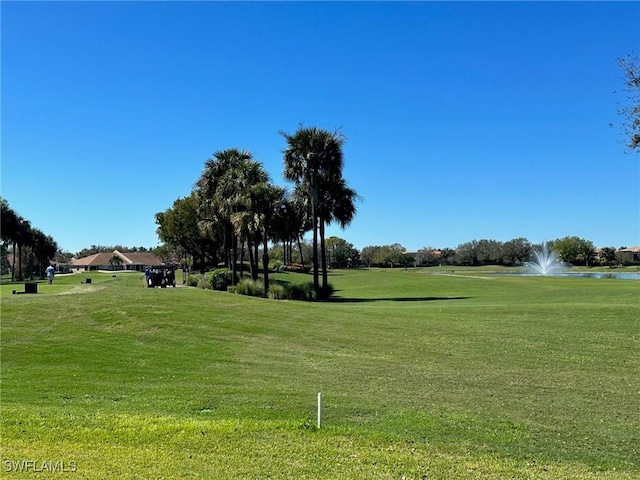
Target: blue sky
[{"x": 463, "y": 120}]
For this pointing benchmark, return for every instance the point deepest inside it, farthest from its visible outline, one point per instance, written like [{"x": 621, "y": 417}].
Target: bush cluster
[
  {"x": 301, "y": 291},
  {"x": 195, "y": 280},
  {"x": 282, "y": 291},
  {"x": 218, "y": 279}
]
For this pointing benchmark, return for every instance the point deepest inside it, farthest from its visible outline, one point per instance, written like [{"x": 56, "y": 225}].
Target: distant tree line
[
  {"x": 31, "y": 248},
  {"x": 572, "y": 250},
  {"x": 93, "y": 249}
]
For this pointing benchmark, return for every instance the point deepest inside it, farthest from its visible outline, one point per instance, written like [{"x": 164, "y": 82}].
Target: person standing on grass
[{"x": 50, "y": 271}]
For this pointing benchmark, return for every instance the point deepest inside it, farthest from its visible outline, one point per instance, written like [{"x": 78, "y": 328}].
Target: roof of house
[
  {"x": 630, "y": 249},
  {"x": 128, "y": 258},
  {"x": 140, "y": 258}
]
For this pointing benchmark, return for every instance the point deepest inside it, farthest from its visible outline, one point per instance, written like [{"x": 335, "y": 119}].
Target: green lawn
[{"x": 425, "y": 373}]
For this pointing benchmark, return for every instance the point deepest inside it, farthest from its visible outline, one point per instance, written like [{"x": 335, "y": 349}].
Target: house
[
  {"x": 629, "y": 255},
  {"x": 136, "y": 261}
]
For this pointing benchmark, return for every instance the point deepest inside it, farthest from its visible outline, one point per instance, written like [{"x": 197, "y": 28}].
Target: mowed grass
[{"x": 451, "y": 375}]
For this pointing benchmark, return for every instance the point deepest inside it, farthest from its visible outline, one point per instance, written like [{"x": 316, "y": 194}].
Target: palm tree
[
  {"x": 312, "y": 160},
  {"x": 241, "y": 207},
  {"x": 23, "y": 238},
  {"x": 9, "y": 222},
  {"x": 300, "y": 221},
  {"x": 268, "y": 203},
  {"x": 250, "y": 176},
  {"x": 290, "y": 224},
  {"x": 115, "y": 261},
  {"x": 338, "y": 206},
  {"x": 217, "y": 190},
  {"x": 44, "y": 249},
  {"x": 224, "y": 191}
]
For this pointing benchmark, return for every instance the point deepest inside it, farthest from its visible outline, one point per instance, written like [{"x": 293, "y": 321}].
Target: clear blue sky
[{"x": 464, "y": 120}]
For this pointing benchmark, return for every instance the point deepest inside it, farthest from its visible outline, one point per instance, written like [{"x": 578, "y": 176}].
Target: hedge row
[{"x": 220, "y": 279}]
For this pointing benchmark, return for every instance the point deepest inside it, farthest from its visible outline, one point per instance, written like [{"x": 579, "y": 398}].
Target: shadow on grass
[{"x": 392, "y": 299}]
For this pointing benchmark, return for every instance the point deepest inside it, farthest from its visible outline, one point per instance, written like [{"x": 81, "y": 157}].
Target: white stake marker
[{"x": 319, "y": 409}]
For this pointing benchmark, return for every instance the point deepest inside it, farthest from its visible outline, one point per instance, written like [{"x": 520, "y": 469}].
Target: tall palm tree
[
  {"x": 268, "y": 203},
  {"x": 249, "y": 174},
  {"x": 312, "y": 159},
  {"x": 224, "y": 189},
  {"x": 217, "y": 190}
]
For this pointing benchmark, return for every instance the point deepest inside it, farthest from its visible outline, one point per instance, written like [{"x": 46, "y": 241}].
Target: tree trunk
[
  {"x": 202, "y": 258},
  {"x": 252, "y": 259},
  {"x": 234, "y": 258},
  {"x": 314, "y": 256},
  {"x": 314, "y": 218},
  {"x": 255, "y": 256},
  {"x": 265, "y": 265},
  {"x": 20, "y": 277},
  {"x": 323, "y": 255},
  {"x": 300, "y": 249},
  {"x": 13, "y": 265}
]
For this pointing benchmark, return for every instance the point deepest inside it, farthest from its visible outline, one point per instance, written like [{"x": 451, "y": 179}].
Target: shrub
[
  {"x": 250, "y": 287},
  {"x": 324, "y": 293},
  {"x": 194, "y": 279},
  {"x": 302, "y": 291},
  {"x": 305, "y": 291},
  {"x": 221, "y": 279},
  {"x": 278, "y": 291},
  {"x": 203, "y": 282}
]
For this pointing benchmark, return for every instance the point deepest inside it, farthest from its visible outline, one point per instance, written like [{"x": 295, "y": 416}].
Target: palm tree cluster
[
  {"x": 34, "y": 249},
  {"x": 238, "y": 208}
]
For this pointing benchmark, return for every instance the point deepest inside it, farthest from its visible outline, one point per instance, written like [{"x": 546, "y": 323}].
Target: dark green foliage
[
  {"x": 195, "y": 279},
  {"x": 220, "y": 278},
  {"x": 325, "y": 292},
  {"x": 302, "y": 291}
]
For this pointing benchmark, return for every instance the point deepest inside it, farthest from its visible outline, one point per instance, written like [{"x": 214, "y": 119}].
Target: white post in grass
[{"x": 319, "y": 409}]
